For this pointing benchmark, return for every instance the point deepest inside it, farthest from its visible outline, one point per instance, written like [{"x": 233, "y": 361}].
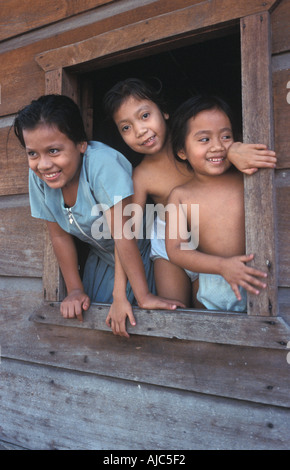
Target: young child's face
[
  {"x": 142, "y": 125},
  {"x": 208, "y": 138},
  {"x": 52, "y": 156}
]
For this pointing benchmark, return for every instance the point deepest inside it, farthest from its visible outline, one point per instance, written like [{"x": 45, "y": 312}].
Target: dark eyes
[
  {"x": 224, "y": 137},
  {"x": 127, "y": 127},
  {"x": 33, "y": 154}
]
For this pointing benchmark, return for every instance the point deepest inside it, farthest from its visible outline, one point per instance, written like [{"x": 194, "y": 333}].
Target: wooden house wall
[
  {"x": 145, "y": 392},
  {"x": 281, "y": 99}
]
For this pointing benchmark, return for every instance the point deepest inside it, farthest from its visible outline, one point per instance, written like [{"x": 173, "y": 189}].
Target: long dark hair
[{"x": 54, "y": 110}]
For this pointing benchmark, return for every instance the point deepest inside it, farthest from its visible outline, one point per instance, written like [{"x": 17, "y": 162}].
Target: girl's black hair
[
  {"x": 135, "y": 87},
  {"x": 189, "y": 109},
  {"x": 54, "y": 110}
]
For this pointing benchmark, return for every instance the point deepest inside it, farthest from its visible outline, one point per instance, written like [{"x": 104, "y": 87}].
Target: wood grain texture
[
  {"x": 238, "y": 372},
  {"x": 282, "y": 182},
  {"x": 281, "y": 96},
  {"x": 184, "y": 21},
  {"x": 134, "y": 416},
  {"x": 13, "y": 164},
  {"x": 21, "y": 243},
  {"x": 280, "y": 19},
  {"x": 18, "y": 17},
  {"x": 259, "y": 188},
  {"x": 223, "y": 328}
]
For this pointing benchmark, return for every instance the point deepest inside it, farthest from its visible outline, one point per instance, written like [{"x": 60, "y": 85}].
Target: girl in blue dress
[{"x": 81, "y": 189}]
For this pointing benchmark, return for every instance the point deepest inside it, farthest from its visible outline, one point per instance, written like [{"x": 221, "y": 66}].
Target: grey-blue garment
[
  {"x": 215, "y": 293},
  {"x": 105, "y": 179}
]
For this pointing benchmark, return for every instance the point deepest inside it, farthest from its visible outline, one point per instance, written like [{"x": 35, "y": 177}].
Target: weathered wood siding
[
  {"x": 208, "y": 391},
  {"x": 281, "y": 95}
]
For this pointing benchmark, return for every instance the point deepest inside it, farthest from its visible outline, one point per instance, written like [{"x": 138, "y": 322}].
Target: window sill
[{"x": 190, "y": 324}]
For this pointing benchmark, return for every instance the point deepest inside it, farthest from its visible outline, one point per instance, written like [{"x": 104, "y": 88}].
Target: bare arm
[
  {"x": 130, "y": 266},
  {"x": 121, "y": 307},
  {"x": 66, "y": 255},
  {"x": 233, "y": 269},
  {"x": 248, "y": 158}
]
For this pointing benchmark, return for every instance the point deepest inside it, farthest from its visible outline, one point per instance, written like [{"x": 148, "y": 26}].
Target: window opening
[{"x": 212, "y": 66}]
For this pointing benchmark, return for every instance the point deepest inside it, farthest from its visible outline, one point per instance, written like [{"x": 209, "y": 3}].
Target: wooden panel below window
[{"x": 50, "y": 408}]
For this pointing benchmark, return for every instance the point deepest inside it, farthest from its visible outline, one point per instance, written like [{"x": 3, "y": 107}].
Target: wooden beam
[
  {"x": 178, "y": 23},
  {"x": 27, "y": 16},
  {"x": 190, "y": 325},
  {"x": 258, "y": 127}
]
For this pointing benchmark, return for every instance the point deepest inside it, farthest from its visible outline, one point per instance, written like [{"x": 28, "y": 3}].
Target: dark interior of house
[{"x": 211, "y": 66}]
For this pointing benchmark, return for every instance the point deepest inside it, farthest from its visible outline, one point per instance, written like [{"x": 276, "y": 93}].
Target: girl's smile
[
  {"x": 209, "y": 136},
  {"x": 142, "y": 125},
  {"x": 52, "y": 156}
]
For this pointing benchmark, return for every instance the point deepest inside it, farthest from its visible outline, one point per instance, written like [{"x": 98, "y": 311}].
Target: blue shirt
[{"x": 105, "y": 179}]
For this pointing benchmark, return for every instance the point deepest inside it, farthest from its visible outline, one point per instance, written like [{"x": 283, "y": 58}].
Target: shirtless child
[
  {"x": 141, "y": 117},
  {"x": 201, "y": 135}
]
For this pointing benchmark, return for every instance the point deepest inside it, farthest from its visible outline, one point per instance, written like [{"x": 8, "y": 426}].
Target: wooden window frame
[{"x": 261, "y": 326}]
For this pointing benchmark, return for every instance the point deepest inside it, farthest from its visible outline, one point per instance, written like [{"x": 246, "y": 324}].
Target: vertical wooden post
[
  {"x": 258, "y": 128},
  {"x": 87, "y": 108},
  {"x": 59, "y": 82}
]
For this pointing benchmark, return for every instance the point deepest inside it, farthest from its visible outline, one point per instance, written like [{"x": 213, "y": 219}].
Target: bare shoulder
[{"x": 149, "y": 173}]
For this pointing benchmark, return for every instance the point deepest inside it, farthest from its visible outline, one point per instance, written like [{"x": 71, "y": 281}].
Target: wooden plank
[
  {"x": 203, "y": 367},
  {"x": 280, "y": 19},
  {"x": 209, "y": 368},
  {"x": 92, "y": 22},
  {"x": 18, "y": 17},
  {"x": 19, "y": 69},
  {"x": 87, "y": 106},
  {"x": 8, "y": 446},
  {"x": 191, "y": 325},
  {"x": 281, "y": 95},
  {"x": 184, "y": 21},
  {"x": 53, "y": 284},
  {"x": 21, "y": 243},
  {"x": 21, "y": 79},
  {"x": 284, "y": 301},
  {"x": 13, "y": 164},
  {"x": 282, "y": 182},
  {"x": 258, "y": 127},
  {"x": 54, "y": 402}
]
